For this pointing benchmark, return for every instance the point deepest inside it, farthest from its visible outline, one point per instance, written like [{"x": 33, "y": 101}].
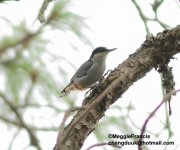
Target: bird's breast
[{"x": 94, "y": 73}]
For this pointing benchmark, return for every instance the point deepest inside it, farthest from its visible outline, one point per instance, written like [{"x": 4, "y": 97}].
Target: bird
[{"x": 89, "y": 72}]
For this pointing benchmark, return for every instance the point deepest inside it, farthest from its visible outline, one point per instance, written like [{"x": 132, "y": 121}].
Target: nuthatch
[{"x": 89, "y": 72}]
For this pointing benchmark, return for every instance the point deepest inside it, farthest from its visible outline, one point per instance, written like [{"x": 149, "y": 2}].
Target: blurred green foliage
[{"x": 27, "y": 83}]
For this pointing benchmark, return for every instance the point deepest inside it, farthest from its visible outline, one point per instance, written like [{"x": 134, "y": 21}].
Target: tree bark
[{"x": 153, "y": 53}]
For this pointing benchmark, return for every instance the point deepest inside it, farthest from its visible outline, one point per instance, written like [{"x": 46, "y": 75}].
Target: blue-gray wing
[{"x": 83, "y": 70}]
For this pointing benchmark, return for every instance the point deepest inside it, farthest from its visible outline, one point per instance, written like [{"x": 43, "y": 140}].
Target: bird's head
[{"x": 101, "y": 52}]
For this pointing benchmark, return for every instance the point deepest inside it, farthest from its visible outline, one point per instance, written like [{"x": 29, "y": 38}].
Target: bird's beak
[{"x": 110, "y": 50}]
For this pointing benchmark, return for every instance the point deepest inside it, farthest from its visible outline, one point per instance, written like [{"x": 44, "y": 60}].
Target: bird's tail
[
  {"x": 66, "y": 90},
  {"x": 70, "y": 87}
]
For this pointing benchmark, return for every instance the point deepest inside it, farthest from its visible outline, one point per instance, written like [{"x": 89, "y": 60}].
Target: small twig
[
  {"x": 166, "y": 98},
  {"x": 155, "y": 6},
  {"x": 34, "y": 128},
  {"x": 33, "y": 76},
  {"x": 142, "y": 15},
  {"x": 13, "y": 139},
  {"x": 28, "y": 94},
  {"x": 12, "y": 122},
  {"x": 42, "y": 10},
  {"x": 163, "y": 25},
  {"x": 61, "y": 127},
  {"x": 21, "y": 41},
  {"x": 178, "y": 3},
  {"x": 36, "y": 105},
  {"x": 14, "y": 108}
]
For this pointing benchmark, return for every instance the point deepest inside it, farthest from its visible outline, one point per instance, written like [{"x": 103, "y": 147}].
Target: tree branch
[{"x": 154, "y": 52}]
